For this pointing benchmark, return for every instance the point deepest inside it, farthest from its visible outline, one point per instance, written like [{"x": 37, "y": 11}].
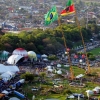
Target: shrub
[
  {"x": 89, "y": 54},
  {"x": 92, "y": 57},
  {"x": 52, "y": 57},
  {"x": 27, "y": 76}
]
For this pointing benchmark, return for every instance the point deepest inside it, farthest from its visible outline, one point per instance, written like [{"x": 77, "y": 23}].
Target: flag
[
  {"x": 51, "y": 16},
  {"x": 69, "y": 8}
]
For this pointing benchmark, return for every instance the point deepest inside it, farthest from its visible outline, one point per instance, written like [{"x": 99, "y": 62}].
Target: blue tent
[
  {"x": 19, "y": 94},
  {"x": 38, "y": 56}
]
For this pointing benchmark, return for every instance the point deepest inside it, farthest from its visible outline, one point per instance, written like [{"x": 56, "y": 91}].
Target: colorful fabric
[
  {"x": 51, "y": 16},
  {"x": 69, "y": 8}
]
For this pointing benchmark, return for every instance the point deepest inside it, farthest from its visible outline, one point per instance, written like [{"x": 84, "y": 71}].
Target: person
[{"x": 33, "y": 97}]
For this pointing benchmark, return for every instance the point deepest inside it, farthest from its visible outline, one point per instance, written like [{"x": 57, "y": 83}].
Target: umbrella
[{"x": 14, "y": 98}]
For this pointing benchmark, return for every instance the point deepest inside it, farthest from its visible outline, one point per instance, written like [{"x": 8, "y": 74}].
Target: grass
[
  {"x": 64, "y": 92},
  {"x": 76, "y": 70},
  {"x": 95, "y": 51}
]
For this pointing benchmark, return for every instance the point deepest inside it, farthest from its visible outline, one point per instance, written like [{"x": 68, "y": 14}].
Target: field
[
  {"x": 96, "y": 51},
  {"x": 48, "y": 91}
]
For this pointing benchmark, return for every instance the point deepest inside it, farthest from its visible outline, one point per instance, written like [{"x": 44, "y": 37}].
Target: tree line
[{"x": 48, "y": 41}]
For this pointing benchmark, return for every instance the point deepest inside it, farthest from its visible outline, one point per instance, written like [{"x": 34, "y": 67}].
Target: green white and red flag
[{"x": 70, "y": 8}]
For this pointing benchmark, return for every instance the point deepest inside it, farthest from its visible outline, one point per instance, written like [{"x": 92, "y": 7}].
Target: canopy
[
  {"x": 20, "y": 51},
  {"x": 13, "y": 59},
  {"x": 59, "y": 72},
  {"x": 22, "y": 80},
  {"x": 50, "y": 70},
  {"x": 79, "y": 76},
  {"x": 32, "y": 55},
  {"x": 4, "y": 69},
  {"x": 89, "y": 91},
  {"x": 10, "y": 73},
  {"x": 19, "y": 94},
  {"x": 71, "y": 97},
  {"x": 5, "y": 92},
  {"x": 49, "y": 67},
  {"x": 45, "y": 59},
  {"x": 58, "y": 65},
  {"x": 44, "y": 56},
  {"x": 14, "y": 98},
  {"x": 6, "y": 76}
]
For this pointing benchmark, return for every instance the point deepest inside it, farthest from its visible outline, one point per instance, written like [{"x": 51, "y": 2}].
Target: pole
[
  {"x": 88, "y": 70},
  {"x": 87, "y": 19},
  {"x": 69, "y": 60}
]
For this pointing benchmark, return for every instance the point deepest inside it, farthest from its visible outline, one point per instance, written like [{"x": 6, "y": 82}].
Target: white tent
[
  {"x": 79, "y": 76},
  {"x": 13, "y": 59},
  {"x": 89, "y": 92},
  {"x": 48, "y": 67},
  {"x": 10, "y": 73},
  {"x": 58, "y": 65},
  {"x": 59, "y": 72},
  {"x": 44, "y": 56},
  {"x": 5, "y": 92},
  {"x": 71, "y": 97},
  {"x": 50, "y": 70},
  {"x": 20, "y": 51},
  {"x": 6, "y": 76},
  {"x": 97, "y": 87},
  {"x": 95, "y": 90},
  {"x": 14, "y": 98},
  {"x": 22, "y": 80},
  {"x": 45, "y": 59},
  {"x": 13, "y": 68},
  {"x": 5, "y": 52},
  {"x": 4, "y": 69}
]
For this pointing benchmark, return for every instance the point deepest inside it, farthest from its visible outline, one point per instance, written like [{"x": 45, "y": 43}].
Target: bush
[
  {"x": 52, "y": 57},
  {"x": 27, "y": 76},
  {"x": 92, "y": 58},
  {"x": 89, "y": 54},
  {"x": 68, "y": 91}
]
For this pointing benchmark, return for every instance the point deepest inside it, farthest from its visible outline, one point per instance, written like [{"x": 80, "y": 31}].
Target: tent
[
  {"x": 22, "y": 80},
  {"x": 19, "y": 94},
  {"x": 79, "y": 76},
  {"x": 10, "y": 73},
  {"x": 20, "y": 51},
  {"x": 12, "y": 69},
  {"x": 13, "y": 59},
  {"x": 4, "y": 55},
  {"x": 58, "y": 65},
  {"x": 2, "y": 68},
  {"x": 45, "y": 59},
  {"x": 71, "y": 97},
  {"x": 89, "y": 92},
  {"x": 5, "y": 92},
  {"x": 32, "y": 55},
  {"x": 44, "y": 56},
  {"x": 6, "y": 76},
  {"x": 14, "y": 98},
  {"x": 59, "y": 72}
]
